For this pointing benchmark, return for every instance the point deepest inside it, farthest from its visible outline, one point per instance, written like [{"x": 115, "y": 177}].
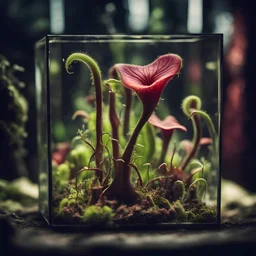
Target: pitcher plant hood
[{"x": 149, "y": 81}]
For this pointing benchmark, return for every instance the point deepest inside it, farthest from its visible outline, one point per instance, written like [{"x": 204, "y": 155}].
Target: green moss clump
[
  {"x": 63, "y": 203},
  {"x": 97, "y": 215},
  {"x": 72, "y": 202},
  {"x": 162, "y": 202},
  {"x": 179, "y": 211},
  {"x": 201, "y": 213},
  {"x": 142, "y": 191},
  {"x": 77, "y": 195}
]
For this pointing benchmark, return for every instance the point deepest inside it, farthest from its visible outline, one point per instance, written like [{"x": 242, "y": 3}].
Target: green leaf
[
  {"x": 201, "y": 186},
  {"x": 195, "y": 164},
  {"x": 147, "y": 139}
]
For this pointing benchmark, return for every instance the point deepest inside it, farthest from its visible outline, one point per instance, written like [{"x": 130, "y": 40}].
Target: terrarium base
[{"x": 123, "y": 215}]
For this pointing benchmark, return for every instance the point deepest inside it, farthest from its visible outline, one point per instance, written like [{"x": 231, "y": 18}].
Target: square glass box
[{"x": 184, "y": 190}]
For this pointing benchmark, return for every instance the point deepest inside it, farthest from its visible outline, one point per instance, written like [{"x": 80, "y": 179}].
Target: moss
[
  {"x": 77, "y": 195},
  {"x": 63, "y": 203},
  {"x": 98, "y": 215},
  {"x": 72, "y": 202},
  {"x": 209, "y": 215},
  {"x": 162, "y": 202},
  {"x": 142, "y": 191},
  {"x": 191, "y": 216},
  {"x": 87, "y": 183},
  {"x": 180, "y": 211},
  {"x": 201, "y": 213}
]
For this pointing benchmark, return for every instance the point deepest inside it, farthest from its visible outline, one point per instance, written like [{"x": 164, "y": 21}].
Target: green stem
[
  {"x": 196, "y": 140},
  {"x": 97, "y": 80},
  {"x": 189, "y": 105},
  {"x": 210, "y": 126}
]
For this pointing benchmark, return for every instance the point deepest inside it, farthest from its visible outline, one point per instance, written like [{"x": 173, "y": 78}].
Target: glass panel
[
  {"x": 184, "y": 189},
  {"x": 42, "y": 134}
]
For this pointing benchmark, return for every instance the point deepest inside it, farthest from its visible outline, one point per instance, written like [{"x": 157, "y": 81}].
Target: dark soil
[{"x": 143, "y": 213}]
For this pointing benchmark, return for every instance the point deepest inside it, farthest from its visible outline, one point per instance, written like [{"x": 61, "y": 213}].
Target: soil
[
  {"x": 143, "y": 213},
  {"x": 160, "y": 205}
]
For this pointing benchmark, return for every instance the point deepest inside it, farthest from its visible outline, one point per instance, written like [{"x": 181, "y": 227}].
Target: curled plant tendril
[
  {"x": 190, "y": 104},
  {"x": 97, "y": 80}
]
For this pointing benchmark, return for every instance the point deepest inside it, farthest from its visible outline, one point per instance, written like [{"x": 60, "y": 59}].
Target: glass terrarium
[{"x": 129, "y": 129}]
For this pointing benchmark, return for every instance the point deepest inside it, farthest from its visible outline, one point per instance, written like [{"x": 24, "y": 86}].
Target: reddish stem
[
  {"x": 166, "y": 141},
  {"x": 114, "y": 124},
  {"x": 138, "y": 173},
  {"x": 128, "y": 105},
  {"x": 99, "y": 145},
  {"x": 171, "y": 166},
  {"x": 121, "y": 188},
  {"x": 132, "y": 141}
]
